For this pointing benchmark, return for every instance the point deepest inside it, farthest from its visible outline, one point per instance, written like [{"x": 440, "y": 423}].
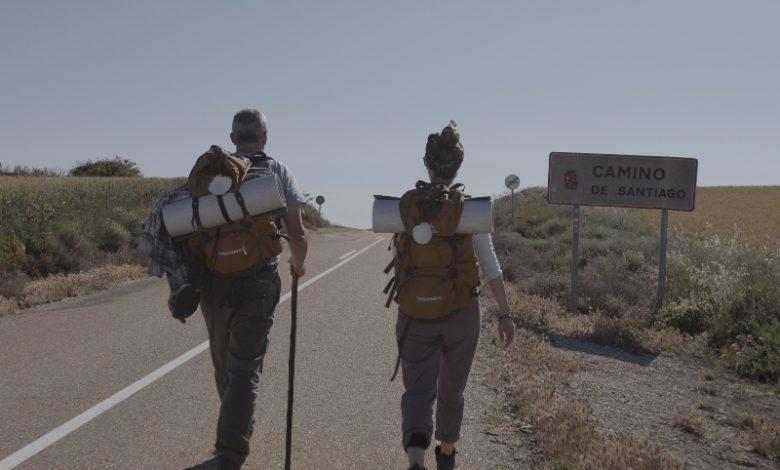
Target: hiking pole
[{"x": 291, "y": 370}]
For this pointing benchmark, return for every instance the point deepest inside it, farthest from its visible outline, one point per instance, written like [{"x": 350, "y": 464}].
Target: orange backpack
[
  {"x": 240, "y": 245},
  {"x": 434, "y": 279}
]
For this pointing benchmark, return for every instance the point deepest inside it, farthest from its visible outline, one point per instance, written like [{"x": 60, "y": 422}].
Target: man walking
[
  {"x": 239, "y": 312},
  {"x": 238, "y": 308}
]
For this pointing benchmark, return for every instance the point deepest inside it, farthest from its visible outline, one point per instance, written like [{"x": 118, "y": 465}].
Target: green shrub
[
  {"x": 130, "y": 219},
  {"x": 548, "y": 228},
  {"x": 27, "y": 217},
  {"x": 617, "y": 253},
  {"x": 68, "y": 252},
  {"x": 12, "y": 254},
  {"x": 106, "y": 167},
  {"x": 760, "y": 353},
  {"x": 685, "y": 317},
  {"x": 111, "y": 236},
  {"x": 612, "y": 284}
]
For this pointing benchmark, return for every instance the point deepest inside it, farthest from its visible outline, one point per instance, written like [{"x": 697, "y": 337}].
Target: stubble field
[{"x": 753, "y": 211}]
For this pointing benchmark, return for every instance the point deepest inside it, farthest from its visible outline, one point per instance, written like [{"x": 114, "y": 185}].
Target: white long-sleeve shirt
[{"x": 486, "y": 255}]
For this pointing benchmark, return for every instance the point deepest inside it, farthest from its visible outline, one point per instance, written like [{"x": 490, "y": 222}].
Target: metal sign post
[
  {"x": 575, "y": 255},
  {"x": 320, "y": 201},
  {"x": 662, "y": 259},
  {"x": 512, "y": 182}
]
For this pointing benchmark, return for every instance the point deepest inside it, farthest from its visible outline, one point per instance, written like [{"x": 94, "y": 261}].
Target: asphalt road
[{"x": 60, "y": 361}]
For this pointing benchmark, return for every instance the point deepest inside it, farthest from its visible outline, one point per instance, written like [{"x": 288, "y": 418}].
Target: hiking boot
[
  {"x": 444, "y": 462},
  {"x": 225, "y": 464}
]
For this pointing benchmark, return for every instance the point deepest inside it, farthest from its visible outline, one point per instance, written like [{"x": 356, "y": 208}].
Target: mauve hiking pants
[
  {"x": 436, "y": 357},
  {"x": 239, "y": 314}
]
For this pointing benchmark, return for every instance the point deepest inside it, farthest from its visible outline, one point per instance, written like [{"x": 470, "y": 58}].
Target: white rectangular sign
[{"x": 592, "y": 179}]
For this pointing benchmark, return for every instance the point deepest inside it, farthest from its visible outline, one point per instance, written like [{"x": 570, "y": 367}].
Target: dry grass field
[{"x": 754, "y": 211}]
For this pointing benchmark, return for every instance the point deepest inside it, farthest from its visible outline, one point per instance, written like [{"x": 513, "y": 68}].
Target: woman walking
[{"x": 436, "y": 354}]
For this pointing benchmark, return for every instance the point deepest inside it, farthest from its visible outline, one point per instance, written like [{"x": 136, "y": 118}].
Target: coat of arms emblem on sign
[{"x": 570, "y": 180}]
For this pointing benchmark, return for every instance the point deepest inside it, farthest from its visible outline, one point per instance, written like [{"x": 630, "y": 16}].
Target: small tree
[{"x": 106, "y": 167}]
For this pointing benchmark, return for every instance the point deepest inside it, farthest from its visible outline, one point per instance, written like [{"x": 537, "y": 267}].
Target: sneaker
[{"x": 444, "y": 462}]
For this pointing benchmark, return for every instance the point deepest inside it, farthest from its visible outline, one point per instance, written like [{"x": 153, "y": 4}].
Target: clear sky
[{"x": 352, "y": 88}]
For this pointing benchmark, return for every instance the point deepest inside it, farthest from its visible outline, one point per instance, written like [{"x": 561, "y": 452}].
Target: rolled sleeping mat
[
  {"x": 261, "y": 195},
  {"x": 477, "y": 216}
]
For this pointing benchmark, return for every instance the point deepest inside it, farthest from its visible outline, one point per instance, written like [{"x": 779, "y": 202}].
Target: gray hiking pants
[
  {"x": 436, "y": 357},
  {"x": 239, "y": 314}
]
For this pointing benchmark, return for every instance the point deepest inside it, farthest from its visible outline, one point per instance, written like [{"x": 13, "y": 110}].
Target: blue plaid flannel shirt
[{"x": 165, "y": 256}]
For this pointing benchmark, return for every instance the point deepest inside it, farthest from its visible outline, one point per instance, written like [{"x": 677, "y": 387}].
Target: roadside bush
[
  {"x": 548, "y": 228},
  {"x": 729, "y": 289},
  {"x": 106, "y": 167},
  {"x": 131, "y": 220},
  {"x": 26, "y": 217},
  {"x": 612, "y": 284},
  {"x": 111, "y": 236},
  {"x": 617, "y": 253},
  {"x": 12, "y": 284},
  {"x": 13, "y": 254},
  {"x": 720, "y": 291},
  {"x": 685, "y": 317},
  {"x": 758, "y": 354},
  {"x": 64, "y": 254},
  {"x": 312, "y": 218}
]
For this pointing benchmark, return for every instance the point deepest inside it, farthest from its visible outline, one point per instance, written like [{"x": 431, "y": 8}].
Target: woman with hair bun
[{"x": 436, "y": 354}]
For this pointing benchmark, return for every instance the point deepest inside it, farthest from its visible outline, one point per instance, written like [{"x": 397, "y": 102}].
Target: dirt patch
[
  {"x": 703, "y": 416},
  {"x": 569, "y": 403}
]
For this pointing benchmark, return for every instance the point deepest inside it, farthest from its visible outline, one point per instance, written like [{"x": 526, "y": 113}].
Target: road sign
[
  {"x": 592, "y": 179},
  {"x": 512, "y": 182},
  {"x": 622, "y": 181},
  {"x": 320, "y": 200}
]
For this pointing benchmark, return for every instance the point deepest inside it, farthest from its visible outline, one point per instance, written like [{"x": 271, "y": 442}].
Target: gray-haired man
[
  {"x": 239, "y": 312},
  {"x": 239, "y": 309}
]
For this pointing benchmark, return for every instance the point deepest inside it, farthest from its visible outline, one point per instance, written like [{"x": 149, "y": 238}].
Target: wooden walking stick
[{"x": 291, "y": 371}]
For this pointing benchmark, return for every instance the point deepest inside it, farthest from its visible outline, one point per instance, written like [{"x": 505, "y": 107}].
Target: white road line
[
  {"x": 380, "y": 237},
  {"x": 346, "y": 254},
  {"x": 38, "y": 445}
]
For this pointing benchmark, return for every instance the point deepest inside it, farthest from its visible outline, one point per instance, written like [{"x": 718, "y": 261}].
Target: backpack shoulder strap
[{"x": 259, "y": 156}]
